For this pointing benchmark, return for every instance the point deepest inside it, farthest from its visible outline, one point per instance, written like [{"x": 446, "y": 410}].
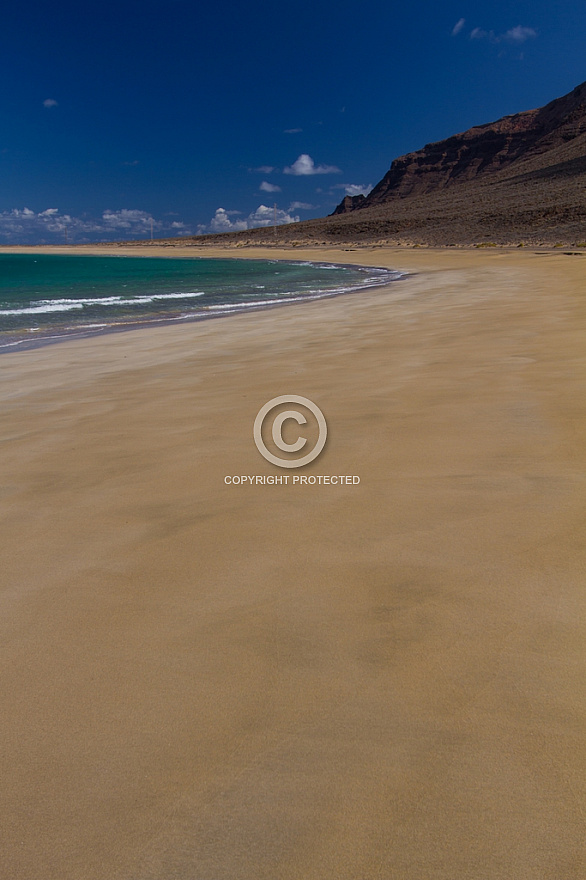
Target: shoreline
[
  {"x": 419, "y": 257},
  {"x": 366, "y": 680},
  {"x": 61, "y": 335}
]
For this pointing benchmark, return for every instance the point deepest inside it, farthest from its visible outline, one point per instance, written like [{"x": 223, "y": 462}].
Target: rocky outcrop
[
  {"x": 478, "y": 152},
  {"x": 349, "y": 203}
]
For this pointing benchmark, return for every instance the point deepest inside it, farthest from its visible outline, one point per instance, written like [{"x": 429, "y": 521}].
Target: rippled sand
[{"x": 382, "y": 680}]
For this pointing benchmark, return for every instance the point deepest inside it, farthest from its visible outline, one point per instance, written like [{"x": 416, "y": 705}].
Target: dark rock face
[
  {"x": 478, "y": 152},
  {"x": 349, "y": 203}
]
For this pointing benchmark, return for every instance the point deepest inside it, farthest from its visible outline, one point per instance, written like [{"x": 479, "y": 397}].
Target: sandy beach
[{"x": 379, "y": 681}]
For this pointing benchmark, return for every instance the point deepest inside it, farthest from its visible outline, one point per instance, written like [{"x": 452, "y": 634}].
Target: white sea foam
[
  {"x": 278, "y": 300},
  {"x": 251, "y": 304},
  {"x": 37, "y": 310},
  {"x": 121, "y": 300},
  {"x": 65, "y": 305}
]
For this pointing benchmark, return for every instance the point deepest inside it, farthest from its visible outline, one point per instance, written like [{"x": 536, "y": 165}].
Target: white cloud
[
  {"x": 293, "y": 130},
  {"x": 305, "y": 166},
  {"x": 221, "y": 222},
  {"x": 29, "y": 227},
  {"x": 517, "y": 35},
  {"x": 354, "y": 189},
  {"x": 264, "y": 169},
  {"x": 263, "y": 216},
  {"x": 458, "y": 27},
  {"x": 269, "y": 187},
  {"x": 127, "y": 219},
  {"x": 50, "y": 102},
  {"x": 301, "y": 206}
]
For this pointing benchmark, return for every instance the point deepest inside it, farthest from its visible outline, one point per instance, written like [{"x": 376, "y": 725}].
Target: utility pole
[
  {"x": 151, "y": 228},
  {"x": 66, "y": 236},
  {"x": 275, "y": 219}
]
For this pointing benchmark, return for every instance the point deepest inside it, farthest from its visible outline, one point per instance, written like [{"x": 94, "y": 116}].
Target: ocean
[{"x": 47, "y": 298}]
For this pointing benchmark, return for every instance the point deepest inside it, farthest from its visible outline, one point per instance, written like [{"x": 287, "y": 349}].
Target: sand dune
[{"x": 383, "y": 680}]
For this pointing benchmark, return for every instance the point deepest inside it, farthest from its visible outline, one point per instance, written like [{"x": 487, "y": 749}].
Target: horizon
[{"x": 177, "y": 120}]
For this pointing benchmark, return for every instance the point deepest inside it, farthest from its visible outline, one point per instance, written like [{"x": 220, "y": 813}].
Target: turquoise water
[{"x": 48, "y": 297}]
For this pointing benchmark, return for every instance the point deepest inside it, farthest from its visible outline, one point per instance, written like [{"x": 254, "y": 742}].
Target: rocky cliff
[{"x": 479, "y": 152}]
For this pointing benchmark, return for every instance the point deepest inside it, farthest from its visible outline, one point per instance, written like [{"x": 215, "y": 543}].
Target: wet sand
[{"x": 203, "y": 681}]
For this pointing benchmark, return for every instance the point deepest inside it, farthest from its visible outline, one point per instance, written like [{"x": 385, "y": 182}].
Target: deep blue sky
[{"x": 118, "y": 112}]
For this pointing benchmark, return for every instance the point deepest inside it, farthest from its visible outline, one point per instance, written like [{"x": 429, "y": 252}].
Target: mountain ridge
[{"x": 481, "y": 150}]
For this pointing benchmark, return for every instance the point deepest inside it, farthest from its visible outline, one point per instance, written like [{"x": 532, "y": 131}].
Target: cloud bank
[{"x": 51, "y": 227}]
